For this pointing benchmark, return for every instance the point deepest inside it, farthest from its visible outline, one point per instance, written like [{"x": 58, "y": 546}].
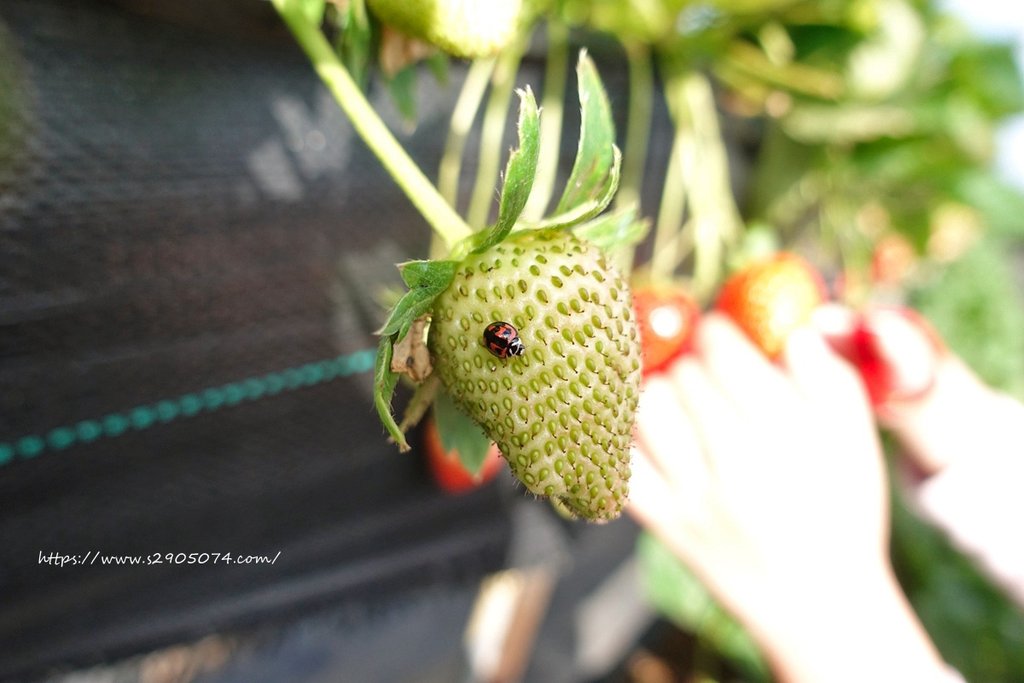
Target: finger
[
  {"x": 649, "y": 490},
  {"x": 667, "y": 433},
  {"x": 821, "y": 375},
  {"x": 667, "y": 511},
  {"x": 837, "y": 324},
  {"x": 746, "y": 376},
  {"x": 716, "y": 421}
]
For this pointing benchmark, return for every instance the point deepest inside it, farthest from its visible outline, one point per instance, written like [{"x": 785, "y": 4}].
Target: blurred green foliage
[{"x": 975, "y": 303}]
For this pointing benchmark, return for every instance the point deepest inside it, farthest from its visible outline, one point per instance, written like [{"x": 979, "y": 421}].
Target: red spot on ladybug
[{"x": 502, "y": 340}]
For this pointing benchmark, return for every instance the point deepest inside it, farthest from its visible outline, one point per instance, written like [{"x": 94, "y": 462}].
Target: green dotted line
[{"x": 207, "y": 400}]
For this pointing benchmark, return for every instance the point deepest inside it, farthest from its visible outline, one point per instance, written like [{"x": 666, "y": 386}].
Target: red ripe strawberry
[
  {"x": 896, "y": 352},
  {"x": 666, "y": 318},
  {"x": 447, "y": 468},
  {"x": 770, "y": 298}
]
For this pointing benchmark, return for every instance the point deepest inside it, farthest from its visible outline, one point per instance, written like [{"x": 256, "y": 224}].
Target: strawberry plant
[
  {"x": 863, "y": 131},
  {"x": 561, "y": 406},
  {"x": 561, "y": 410}
]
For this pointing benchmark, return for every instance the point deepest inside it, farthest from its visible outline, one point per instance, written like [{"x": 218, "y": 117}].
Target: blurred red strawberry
[
  {"x": 896, "y": 352},
  {"x": 771, "y": 297},
  {"x": 666, "y": 317},
  {"x": 447, "y": 468}
]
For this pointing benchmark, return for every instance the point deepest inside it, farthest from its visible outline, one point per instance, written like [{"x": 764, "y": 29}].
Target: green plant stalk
[
  {"x": 374, "y": 132},
  {"x": 700, "y": 154},
  {"x": 638, "y": 126},
  {"x": 665, "y": 255},
  {"x": 466, "y": 108},
  {"x": 551, "y": 121},
  {"x": 718, "y": 222},
  {"x": 800, "y": 78},
  {"x": 495, "y": 116}
]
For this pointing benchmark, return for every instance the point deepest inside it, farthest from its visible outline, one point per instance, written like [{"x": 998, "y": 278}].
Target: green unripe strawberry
[
  {"x": 561, "y": 412},
  {"x": 463, "y": 28}
]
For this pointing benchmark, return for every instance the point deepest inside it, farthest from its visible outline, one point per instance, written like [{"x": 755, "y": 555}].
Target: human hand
[
  {"x": 963, "y": 440},
  {"x": 768, "y": 481},
  {"x": 927, "y": 397},
  {"x": 739, "y": 460}
]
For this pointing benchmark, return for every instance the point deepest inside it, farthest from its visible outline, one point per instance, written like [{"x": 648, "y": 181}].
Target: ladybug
[{"x": 502, "y": 340}]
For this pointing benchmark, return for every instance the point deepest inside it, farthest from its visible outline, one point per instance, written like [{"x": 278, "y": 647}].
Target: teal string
[{"x": 206, "y": 400}]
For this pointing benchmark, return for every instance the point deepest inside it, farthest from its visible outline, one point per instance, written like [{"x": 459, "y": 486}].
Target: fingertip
[
  {"x": 817, "y": 368},
  {"x": 718, "y": 334},
  {"x": 834, "y": 320}
]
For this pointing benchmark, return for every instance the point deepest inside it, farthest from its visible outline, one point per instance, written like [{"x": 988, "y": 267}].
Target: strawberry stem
[
  {"x": 664, "y": 257},
  {"x": 495, "y": 115},
  {"x": 638, "y": 126},
  {"x": 551, "y": 122},
  {"x": 718, "y": 222},
  {"x": 466, "y": 108},
  {"x": 698, "y": 176},
  {"x": 374, "y": 132}
]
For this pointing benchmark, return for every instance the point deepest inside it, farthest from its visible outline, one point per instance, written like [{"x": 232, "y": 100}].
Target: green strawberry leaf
[
  {"x": 590, "y": 207},
  {"x": 426, "y": 280},
  {"x": 519, "y": 173},
  {"x": 355, "y": 39},
  {"x": 384, "y": 383},
  {"x": 428, "y": 274},
  {"x": 988, "y": 73},
  {"x": 614, "y": 230},
  {"x": 402, "y": 87},
  {"x": 438, "y": 66},
  {"x": 460, "y": 433},
  {"x": 595, "y": 157}
]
